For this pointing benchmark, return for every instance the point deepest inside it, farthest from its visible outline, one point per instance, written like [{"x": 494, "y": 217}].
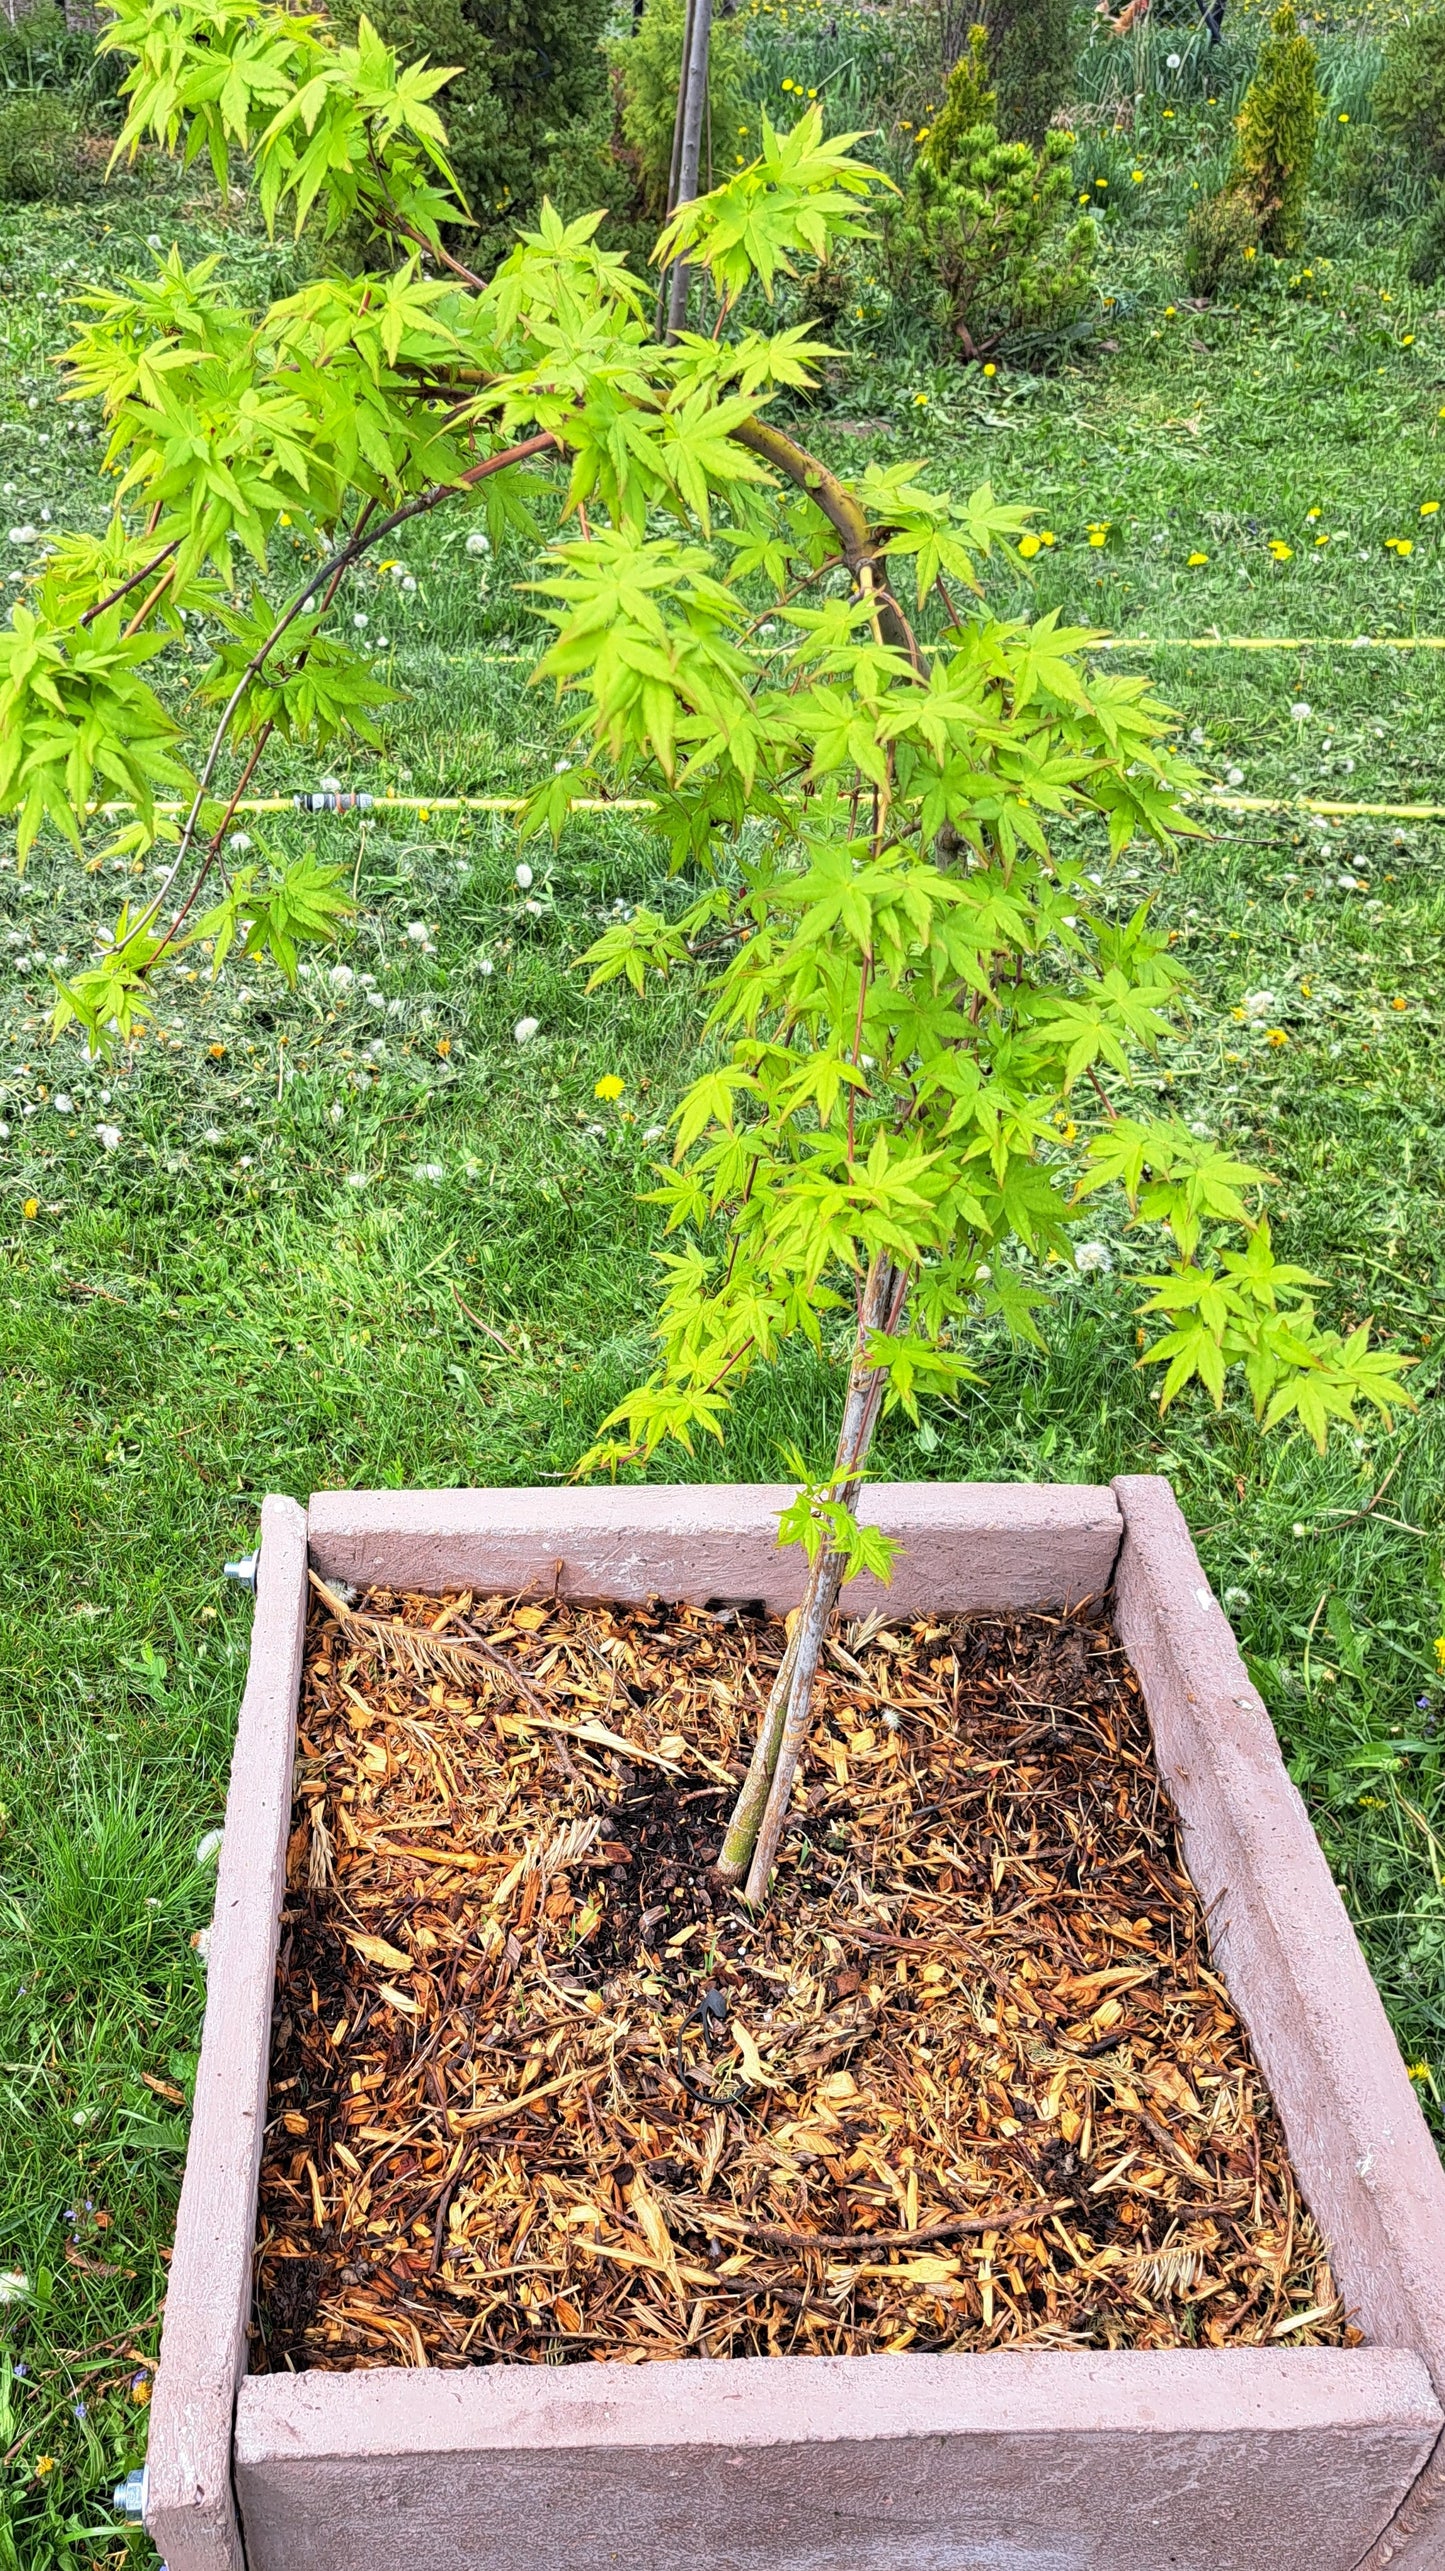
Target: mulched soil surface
[{"x": 541, "y": 2092}]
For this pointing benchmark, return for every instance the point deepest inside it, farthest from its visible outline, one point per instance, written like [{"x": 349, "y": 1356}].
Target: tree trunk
[
  {"x": 692, "y": 105},
  {"x": 761, "y": 1809}
]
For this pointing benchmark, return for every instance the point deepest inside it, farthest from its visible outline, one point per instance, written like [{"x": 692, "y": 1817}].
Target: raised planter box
[{"x": 1271, "y": 2459}]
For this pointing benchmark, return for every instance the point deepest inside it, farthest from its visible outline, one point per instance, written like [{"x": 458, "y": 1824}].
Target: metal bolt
[
  {"x": 128, "y": 2499},
  {"x": 244, "y": 1571}
]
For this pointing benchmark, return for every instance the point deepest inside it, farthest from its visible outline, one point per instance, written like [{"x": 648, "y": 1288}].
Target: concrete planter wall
[{"x": 1272, "y": 2459}]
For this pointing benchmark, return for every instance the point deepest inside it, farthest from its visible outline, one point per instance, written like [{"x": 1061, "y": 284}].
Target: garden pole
[{"x": 693, "y": 100}]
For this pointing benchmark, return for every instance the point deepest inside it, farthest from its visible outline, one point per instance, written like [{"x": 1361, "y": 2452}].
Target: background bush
[
  {"x": 41, "y": 151},
  {"x": 527, "y": 71}
]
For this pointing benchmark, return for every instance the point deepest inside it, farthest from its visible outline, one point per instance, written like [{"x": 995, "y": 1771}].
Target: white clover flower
[
  {"x": 213, "y": 1134},
  {"x": 341, "y": 977},
  {"x": 478, "y": 542},
  {"x": 409, "y": 585},
  {"x": 1094, "y": 1258},
  {"x": 208, "y": 1847},
  {"x": 522, "y": 876},
  {"x": 24, "y": 535},
  {"x": 336, "y": 1111},
  {"x": 108, "y": 1136},
  {"x": 1198, "y": 736},
  {"x": 525, "y": 1029}
]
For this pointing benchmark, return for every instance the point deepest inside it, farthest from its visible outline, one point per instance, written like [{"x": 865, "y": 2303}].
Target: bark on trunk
[{"x": 761, "y": 1809}]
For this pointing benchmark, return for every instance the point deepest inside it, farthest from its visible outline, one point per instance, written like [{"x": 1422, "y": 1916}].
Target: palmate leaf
[
  {"x": 795, "y": 201},
  {"x": 276, "y": 911}
]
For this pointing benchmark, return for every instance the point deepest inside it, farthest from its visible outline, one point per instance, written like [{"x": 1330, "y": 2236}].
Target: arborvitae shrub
[
  {"x": 527, "y": 69},
  {"x": 647, "y": 66},
  {"x": 1276, "y": 131},
  {"x": 1410, "y": 93},
  {"x": 989, "y": 220}
]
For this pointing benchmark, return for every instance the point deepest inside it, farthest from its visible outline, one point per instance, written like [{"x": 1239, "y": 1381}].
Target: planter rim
[{"x": 1281, "y": 1939}]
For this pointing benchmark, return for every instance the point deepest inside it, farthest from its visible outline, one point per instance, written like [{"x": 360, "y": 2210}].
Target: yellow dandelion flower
[
  {"x": 1429, "y": 508},
  {"x": 1280, "y": 550},
  {"x": 1197, "y": 561},
  {"x": 30, "y": 1208},
  {"x": 1028, "y": 547},
  {"x": 990, "y": 369},
  {"x": 44, "y": 2467},
  {"x": 1138, "y": 177},
  {"x": 1400, "y": 545},
  {"x": 1311, "y": 515},
  {"x": 609, "y": 1086},
  {"x": 1399, "y": 1004},
  {"x": 1276, "y": 1037}
]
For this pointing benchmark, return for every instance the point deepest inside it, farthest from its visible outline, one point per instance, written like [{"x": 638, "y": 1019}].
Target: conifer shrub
[
  {"x": 1031, "y": 43},
  {"x": 1261, "y": 205},
  {"x": 989, "y": 221},
  {"x": 1275, "y": 133},
  {"x": 526, "y": 71}
]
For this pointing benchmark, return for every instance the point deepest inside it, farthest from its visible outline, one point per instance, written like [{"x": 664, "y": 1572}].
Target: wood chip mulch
[{"x": 540, "y": 2092}]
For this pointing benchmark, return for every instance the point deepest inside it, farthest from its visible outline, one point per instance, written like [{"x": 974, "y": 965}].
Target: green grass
[{"x": 212, "y": 1309}]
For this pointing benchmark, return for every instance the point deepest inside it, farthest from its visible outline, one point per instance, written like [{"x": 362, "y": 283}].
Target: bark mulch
[{"x": 540, "y": 2092}]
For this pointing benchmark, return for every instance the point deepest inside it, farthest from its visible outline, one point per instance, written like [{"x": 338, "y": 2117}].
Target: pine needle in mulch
[{"x": 540, "y": 2092}]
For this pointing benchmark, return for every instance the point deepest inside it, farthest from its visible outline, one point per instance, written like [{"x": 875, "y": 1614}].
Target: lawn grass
[{"x": 214, "y": 1308}]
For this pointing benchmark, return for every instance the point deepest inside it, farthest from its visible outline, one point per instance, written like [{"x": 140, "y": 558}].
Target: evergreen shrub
[{"x": 990, "y": 220}]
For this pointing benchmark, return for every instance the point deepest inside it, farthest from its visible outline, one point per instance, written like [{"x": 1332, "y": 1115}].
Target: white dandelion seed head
[
  {"x": 239, "y": 842},
  {"x": 1300, "y": 712},
  {"x": 108, "y": 1136},
  {"x": 1094, "y": 1258},
  {"x": 417, "y": 931},
  {"x": 478, "y": 541},
  {"x": 1236, "y": 1599},
  {"x": 1234, "y": 776},
  {"x": 357, "y": 1178},
  {"x": 525, "y": 1029},
  {"x": 63, "y": 1105},
  {"x": 486, "y": 967},
  {"x": 522, "y": 876},
  {"x": 208, "y": 1847},
  {"x": 431, "y": 1171}
]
